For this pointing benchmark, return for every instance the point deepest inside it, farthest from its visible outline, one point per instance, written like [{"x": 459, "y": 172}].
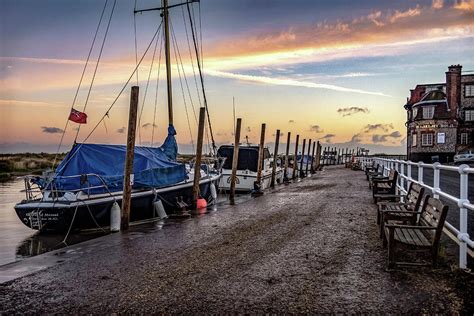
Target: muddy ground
[{"x": 312, "y": 246}]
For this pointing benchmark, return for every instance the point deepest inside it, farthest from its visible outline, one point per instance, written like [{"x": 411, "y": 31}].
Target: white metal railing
[{"x": 459, "y": 235}]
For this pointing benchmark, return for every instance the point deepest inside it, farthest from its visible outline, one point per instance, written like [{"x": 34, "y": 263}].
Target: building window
[
  {"x": 413, "y": 140},
  {"x": 426, "y": 139},
  {"x": 469, "y": 115},
  {"x": 428, "y": 112},
  {"x": 441, "y": 138},
  {"x": 464, "y": 138},
  {"x": 469, "y": 90},
  {"x": 415, "y": 112}
]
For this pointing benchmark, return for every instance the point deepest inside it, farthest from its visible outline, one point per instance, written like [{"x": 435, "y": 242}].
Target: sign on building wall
[{"x": 441, "y": 138}]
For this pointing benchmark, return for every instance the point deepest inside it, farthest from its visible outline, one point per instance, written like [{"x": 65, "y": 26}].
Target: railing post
[
  {"x": 436, "y": 173},
  {"x": 420, "y": 172},
  {"x": 410, "y": 179},
  {"x": 463, "y": 197},
  {"x": 402, "y": 174}
]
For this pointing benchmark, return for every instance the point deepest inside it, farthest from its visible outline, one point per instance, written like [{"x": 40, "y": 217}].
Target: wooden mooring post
[
  {"x": 235, "y": 160},
  {"x": 295, "y": 161},
  {"x": 302, "y": 175},
  {"x": 258, "y": 184},
  {"x": 308, "y": 156},
  {"x": 197, "y": 164},
  {"x": 275, "y": 155},
  {"x": 285, "y": 172},
  {"x": 128, "y": 169},
  {"x": 313, "y": 158},
  {"x": 318, "y": 156}
]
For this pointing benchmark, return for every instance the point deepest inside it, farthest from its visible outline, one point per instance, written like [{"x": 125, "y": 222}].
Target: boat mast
[
  {"x": 164, "y": 8},
  {"x": 168, "y": 62}
]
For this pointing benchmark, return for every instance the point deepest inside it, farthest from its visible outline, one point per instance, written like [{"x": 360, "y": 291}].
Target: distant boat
[
  {"x": 82, "y": 190},
  {"x": 247, "y": 168}
]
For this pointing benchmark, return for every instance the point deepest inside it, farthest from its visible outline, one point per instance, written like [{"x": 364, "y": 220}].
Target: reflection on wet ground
[{"x": 18, "y": 241}]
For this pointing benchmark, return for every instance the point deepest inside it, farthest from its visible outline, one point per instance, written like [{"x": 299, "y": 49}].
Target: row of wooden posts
[{"x": 314, "y": 150}]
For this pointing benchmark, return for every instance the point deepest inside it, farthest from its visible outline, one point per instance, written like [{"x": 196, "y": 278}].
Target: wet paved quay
[{"x": 311, "y": 246}]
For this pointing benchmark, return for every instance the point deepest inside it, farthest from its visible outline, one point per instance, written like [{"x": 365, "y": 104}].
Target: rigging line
[
  {"x": 156, "y": 91},
  {"x": 146, "y": 91},
  {"x": 184, "y": 74},
  {"x": 126, "y": 83},
  {"x": 97, "y": 65},
  {"x": 116, "y": 99},
  {"x": 195, "y": 77},
  {"x": 202, "y": 80},
  {"x": 135, "y": 33},
  {"x": 175, "y": 44},
  {"x": 192, "y": 62},
  {"x": 80, "y": 81}
]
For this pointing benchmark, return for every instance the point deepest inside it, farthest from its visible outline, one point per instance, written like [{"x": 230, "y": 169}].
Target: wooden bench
[
  {"x": 425, "y": 234},
  {"x": 372, "y": 168},
  {"x": 400, "y": 212},
  {"x": 376, "y": 174},
  {"x": 385, "y": 185}
]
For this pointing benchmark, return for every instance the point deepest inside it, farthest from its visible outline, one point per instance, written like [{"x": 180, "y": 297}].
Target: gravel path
[{"x": 309, "y": 247}]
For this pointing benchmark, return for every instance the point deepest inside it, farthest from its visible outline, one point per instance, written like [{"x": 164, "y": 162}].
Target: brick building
[{"x": 440, "y": 118}]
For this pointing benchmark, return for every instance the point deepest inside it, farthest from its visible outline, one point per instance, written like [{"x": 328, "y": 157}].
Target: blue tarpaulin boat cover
[{"x": 153, "y": 167}]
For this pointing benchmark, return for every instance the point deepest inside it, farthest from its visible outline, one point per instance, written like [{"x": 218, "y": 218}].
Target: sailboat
[{"x": 88, "y": 183}]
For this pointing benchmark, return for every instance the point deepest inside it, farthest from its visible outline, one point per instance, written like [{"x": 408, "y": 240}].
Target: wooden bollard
[
  {"x": 260, "y": 158},
  {"x": 302, "y": 156},
  {"x": 235, "y": 160},
  {"x": 295, "y": 161},
  {"x": 275, "y": 155},
  {"x": 197, "y": 164},
  {"x": 308, "y": 156},
  {"x": 347, "y": 152},
  {"x": 285, "y": 172},
  {"x": 128, "y": 169},
  {"x": 318, "y": 156},
  {"x": 338, "y": 156},
  {"x": 312, "y": 157}
]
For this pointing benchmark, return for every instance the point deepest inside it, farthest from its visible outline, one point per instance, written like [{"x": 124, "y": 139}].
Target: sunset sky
[{"x": 336, "y": 71}]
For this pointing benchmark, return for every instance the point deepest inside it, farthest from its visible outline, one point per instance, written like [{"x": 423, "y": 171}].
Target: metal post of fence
[
  {"x": 402, "y": 174},
  {"x": 436, "y": 174},
  {"x": 409, "y": 173},
  {"x": 463, "y": 197},
  {"x": 420, "y": 172}
]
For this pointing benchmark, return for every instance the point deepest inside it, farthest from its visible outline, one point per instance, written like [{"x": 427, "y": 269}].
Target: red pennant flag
[{"x": 78, "y": 117}]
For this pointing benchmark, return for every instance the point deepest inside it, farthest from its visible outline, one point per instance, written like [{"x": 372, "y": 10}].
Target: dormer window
[
  {"x": 428, "y": 112},
  {"x": 415, "y": 112}
]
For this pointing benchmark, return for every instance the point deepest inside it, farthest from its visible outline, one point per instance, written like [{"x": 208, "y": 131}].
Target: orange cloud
[{"x": 415, "y": 25}]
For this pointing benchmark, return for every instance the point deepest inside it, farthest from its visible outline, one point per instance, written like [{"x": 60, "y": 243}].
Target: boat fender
[
  {"x": 201, "y": 203},
  {"x": 213, "y": 191},
  {"x": 115, "y": 215},
  {"x": 159, "y": 209}
]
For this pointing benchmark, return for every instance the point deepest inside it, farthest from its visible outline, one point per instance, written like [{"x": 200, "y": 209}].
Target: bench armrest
[
  {"x": 394, "y": 195},
  {"x": 403, "y": 212},
  {"x": 381, "y": 180},
  {"x": 393, "y": 226}
]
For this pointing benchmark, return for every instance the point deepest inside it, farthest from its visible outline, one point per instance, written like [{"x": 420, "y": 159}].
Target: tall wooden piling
[
  {"x": 260, "y": 154},
  {"x": 235, "y": 160},
  {"x": 308, "y": 156},
  {"x": 285, "y": 172},
  {"x": 318, "y": 156},
  {"x": 295, "y": 161},
  {"x": 197, "y": 164},
  {"x": 275, "y": 155},
  {"x": 302, "y": 156},
  {"x": 338, "y": 156},
  {"x": 128, "y": 169},
  {"x": 347, "y": 151},
  {"x": 312, "y": 157}
]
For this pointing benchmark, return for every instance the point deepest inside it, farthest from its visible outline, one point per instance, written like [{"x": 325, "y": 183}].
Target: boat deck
[{"x": 309, "y": 246}]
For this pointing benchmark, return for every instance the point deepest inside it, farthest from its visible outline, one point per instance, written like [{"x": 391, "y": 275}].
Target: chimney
[{"x": 453, "y": 88}]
